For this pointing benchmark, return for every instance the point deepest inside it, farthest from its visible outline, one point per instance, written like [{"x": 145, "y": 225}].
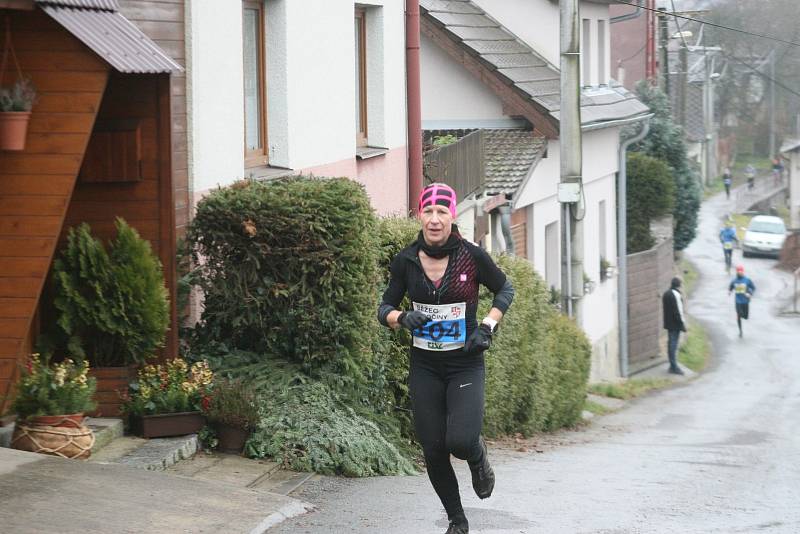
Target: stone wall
[{"x": 649, "y": 275}]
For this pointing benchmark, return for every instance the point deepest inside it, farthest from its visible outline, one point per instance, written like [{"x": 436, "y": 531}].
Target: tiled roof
[
  {"x": 99, "y": 25},
  {"x": 509, "y": 156},
  {"x": 521, "y": 66}
]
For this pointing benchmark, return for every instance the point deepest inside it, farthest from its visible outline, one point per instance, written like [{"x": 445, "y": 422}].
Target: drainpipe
[
  {"x": 622, "y": 243},
  {"x": 505, "y": 226},
  {"x": 629, "y": 16},
  {"x": 413, "y": 104}
]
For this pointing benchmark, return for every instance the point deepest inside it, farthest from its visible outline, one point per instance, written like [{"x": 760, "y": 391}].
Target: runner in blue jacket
[
  {"x": 744, "y": 289},
  {"x": 727, "y": 237}
]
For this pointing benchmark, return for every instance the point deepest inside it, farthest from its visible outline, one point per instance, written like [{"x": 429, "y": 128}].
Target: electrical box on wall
[{"x": 569, "y": 192}]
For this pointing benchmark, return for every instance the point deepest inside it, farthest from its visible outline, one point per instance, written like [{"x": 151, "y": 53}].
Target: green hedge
[
  {"x": 288, "y": 268},
  {"x": 651, "y": 194},
  {"x": 269, "y": 249},
  {"x": 538, "y": 365}
]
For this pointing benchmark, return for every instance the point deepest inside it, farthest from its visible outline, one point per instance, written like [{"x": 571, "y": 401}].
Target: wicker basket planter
[
  {"x": 57, "y": 435},
  {"x": 168, "y": 424}
]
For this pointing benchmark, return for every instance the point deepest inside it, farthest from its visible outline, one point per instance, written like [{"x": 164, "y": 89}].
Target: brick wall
[{"x": 649, "y": 275}]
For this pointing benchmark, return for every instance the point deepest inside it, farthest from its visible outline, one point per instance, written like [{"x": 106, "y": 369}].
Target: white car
[{"x": 765, "y": 235}]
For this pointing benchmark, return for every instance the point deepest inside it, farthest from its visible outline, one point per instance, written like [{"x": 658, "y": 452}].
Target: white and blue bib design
[{"x": 447, "y": 329}]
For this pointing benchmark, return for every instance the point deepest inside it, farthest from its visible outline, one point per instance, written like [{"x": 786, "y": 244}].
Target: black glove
[
  {"x": 412, "y": 319},
  {"x": 480, "y": 340}
]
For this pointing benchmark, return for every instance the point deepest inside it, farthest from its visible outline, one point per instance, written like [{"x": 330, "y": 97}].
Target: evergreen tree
[{"x": 665, "y": 141}]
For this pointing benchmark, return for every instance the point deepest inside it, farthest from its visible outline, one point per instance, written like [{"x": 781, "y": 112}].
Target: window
[
  {"x": 586, "y": 57},
  {"x": 602, "y": 77},
  {"x": 361, "y": 77},
  {"x": 255, "y": 124},
  {"x": 552, "y": 258},
  {"x": 602, "y": 240}
]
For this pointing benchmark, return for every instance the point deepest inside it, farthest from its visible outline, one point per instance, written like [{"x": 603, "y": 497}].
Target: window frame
[
  {"x": 361, "y": 53},
  {"x": 259, "y": 156}
]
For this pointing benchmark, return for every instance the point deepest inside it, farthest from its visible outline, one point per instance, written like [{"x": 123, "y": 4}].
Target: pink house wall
[{"x": 385, "y": 178}]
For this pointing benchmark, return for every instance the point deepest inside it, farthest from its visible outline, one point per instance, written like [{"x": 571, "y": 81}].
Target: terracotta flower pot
[
  {"x": 13, "y": 129},
  {"x": 230, "y": 438},
  {"x": 168, "y": 424}
]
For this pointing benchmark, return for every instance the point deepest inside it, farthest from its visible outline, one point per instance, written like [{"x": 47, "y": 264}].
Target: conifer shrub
[
  {"x": 112, "y": 304},
  {"x": 288, "y": 268},
  {"x": 569, "y": 356},
  {"x": 532, "y": 380}
]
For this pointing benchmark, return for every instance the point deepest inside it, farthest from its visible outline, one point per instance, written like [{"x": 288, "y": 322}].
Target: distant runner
[
  {"x": 727, "y": 180},
  {"x": 727, "y": 237},
  {"x": 744, "y": 289}
]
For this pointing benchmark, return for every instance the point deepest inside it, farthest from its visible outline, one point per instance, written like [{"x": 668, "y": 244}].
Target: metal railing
[
  {"x": 460, "y": 165},
  {"x": 764, "y": 185}
]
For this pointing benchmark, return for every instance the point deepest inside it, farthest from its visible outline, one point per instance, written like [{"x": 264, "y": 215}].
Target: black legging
[{"x": 447, "y": 392}]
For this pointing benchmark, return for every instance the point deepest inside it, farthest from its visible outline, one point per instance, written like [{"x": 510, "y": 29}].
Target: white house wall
[
  {"x": 451, "y": 96},
  {"x": 599, "y": 160},
  {"x": 310, "y": 75},
  {"x": 214, "y": 87},
  {"x": 524, "y": 19}
]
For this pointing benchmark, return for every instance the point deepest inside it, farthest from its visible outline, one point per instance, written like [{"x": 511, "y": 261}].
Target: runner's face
[{"x": 437, "y": 223}]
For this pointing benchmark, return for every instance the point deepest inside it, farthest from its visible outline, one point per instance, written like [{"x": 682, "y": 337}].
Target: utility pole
[
  {"x": 772, "y": 104},
  {"x": 569, "y": 188},
  {"x": 708, "y": 118},
  {"x": 683, "y": 54},
  {"x": 662, "y": 42}
]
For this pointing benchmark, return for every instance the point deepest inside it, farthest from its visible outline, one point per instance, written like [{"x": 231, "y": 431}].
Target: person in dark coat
[{"x": 674, "y": 322}]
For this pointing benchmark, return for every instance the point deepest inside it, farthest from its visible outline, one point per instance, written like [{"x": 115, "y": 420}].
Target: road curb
[{"x": 287, "y": 511}]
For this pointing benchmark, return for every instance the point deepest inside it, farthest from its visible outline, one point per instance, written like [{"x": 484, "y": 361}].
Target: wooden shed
[{"x": 99, "y": 146}]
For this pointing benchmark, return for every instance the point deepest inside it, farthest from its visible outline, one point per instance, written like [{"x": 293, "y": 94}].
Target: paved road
[{"x": 720, "y": 455}]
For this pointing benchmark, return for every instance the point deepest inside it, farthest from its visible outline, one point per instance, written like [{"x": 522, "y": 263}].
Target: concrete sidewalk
[{"x": 47, "y": 494}]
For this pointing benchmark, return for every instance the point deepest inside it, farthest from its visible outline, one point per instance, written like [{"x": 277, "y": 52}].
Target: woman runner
[{"x": 441, "y": 273}]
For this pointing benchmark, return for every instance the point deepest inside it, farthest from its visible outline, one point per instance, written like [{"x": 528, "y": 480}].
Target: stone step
[
  {"x": 262, "y": 475},
  {"x": 161, "y": 453},
  {"x": 106, "y": 430}
]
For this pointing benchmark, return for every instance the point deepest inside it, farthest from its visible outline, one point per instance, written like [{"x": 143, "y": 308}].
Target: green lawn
[
  {"x": 689, "y": 275},
  {"x": 629, "y": 389},
  {"x": 596, "y": 408},
  {"x": 695, "y": 351}
]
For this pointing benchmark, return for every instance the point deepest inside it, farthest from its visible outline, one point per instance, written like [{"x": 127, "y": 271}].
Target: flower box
[{"x": 168, "y": 424}]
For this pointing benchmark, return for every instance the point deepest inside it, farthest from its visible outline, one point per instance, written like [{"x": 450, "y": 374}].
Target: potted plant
[
  {"x": 233, "y": 412},
  {"x": 166, "y": 399},
  {"x": 50, "y": 403},
  {"x": 111, "y": 305},
  {"x": 16, "y": 102}
]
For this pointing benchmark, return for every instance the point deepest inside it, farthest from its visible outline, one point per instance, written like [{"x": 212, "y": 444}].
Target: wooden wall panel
[
  {"x": 163, "y": 21},
  {"x": 36, "y": 183}
]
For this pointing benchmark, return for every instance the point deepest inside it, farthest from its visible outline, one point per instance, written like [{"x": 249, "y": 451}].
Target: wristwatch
[{"x": 491, "y": 323}]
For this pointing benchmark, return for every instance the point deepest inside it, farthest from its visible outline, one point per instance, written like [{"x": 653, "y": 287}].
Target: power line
[
  {"x": 713, "y": 24},
  {"x": 765, "y": 76},
  {"x": 678, "y": 24}
]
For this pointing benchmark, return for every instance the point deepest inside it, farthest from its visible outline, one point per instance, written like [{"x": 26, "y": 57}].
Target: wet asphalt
[{"x": 718, "y": 455}]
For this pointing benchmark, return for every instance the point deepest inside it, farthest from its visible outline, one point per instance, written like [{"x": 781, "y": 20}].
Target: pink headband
[{"x": 438, "y": 194}]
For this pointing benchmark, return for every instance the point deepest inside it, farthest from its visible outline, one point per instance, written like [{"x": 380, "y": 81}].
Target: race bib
[
  {"x": 447, "y": 329},
  {"x": 740, "y": 289},
  {"x": 728, "y": 245}
]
